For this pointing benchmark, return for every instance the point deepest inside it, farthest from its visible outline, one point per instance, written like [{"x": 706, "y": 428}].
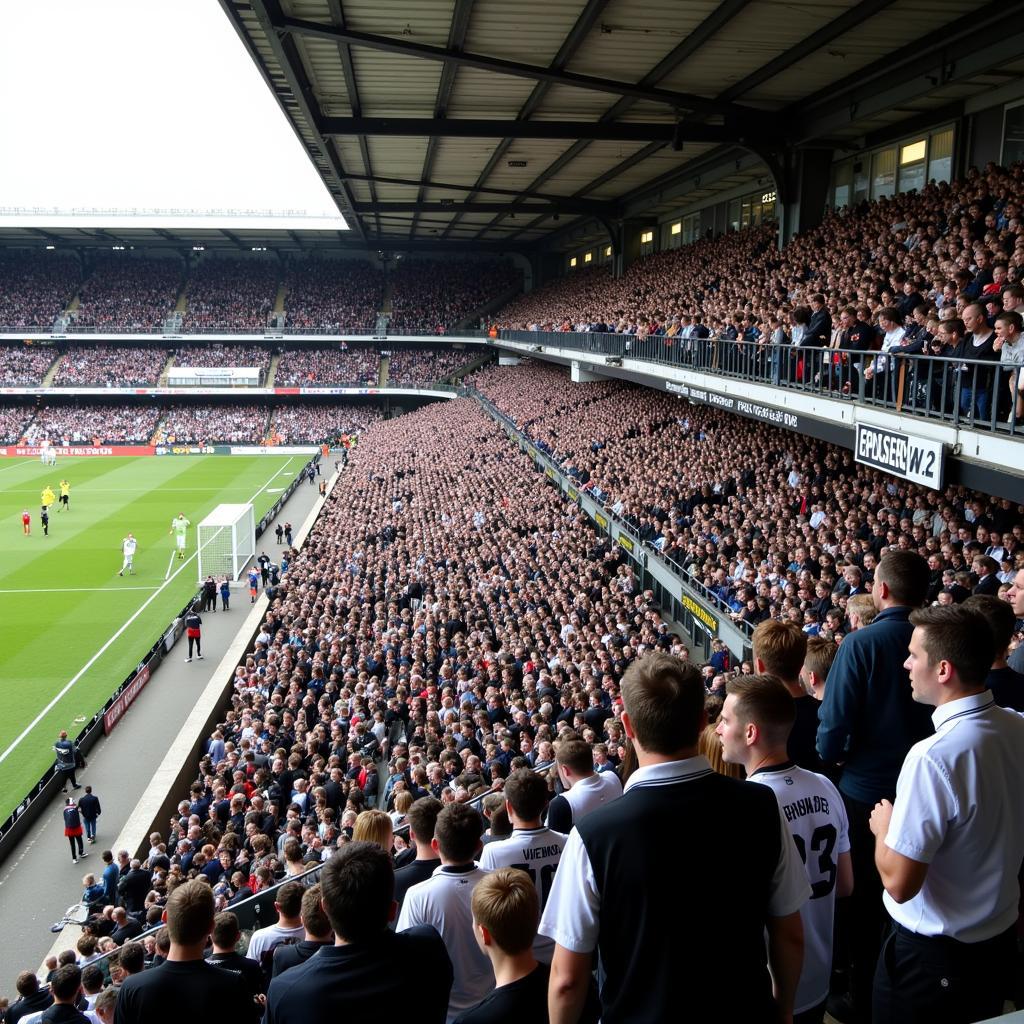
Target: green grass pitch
[{"x": 61, "y": 598}]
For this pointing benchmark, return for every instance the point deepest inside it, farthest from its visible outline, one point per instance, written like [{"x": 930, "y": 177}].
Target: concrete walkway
[{"x": 38, "y": 881}]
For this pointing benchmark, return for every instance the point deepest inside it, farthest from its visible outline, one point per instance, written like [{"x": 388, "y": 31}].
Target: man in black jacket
[
  {"x": 226, "y": 934},
  {"x": 818, "y": 334},
  {"x": 67, "y": 760},
  {"x": 33, "y": 998},
  {"x": 357, "y": 888},
  {"x": 89, "y": 808},
  {"x": 318, "y": 934},
  {"x": 134, "y": 887}
]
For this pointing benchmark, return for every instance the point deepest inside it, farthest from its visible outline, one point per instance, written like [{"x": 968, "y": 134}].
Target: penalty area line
[{"x": 170, "y": 562}]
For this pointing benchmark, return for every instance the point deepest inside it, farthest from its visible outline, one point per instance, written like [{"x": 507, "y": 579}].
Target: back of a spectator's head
[
  {"x": 506, "y": 910},
  {"x": 289, "y": 899},
  {"x": 314, "y": 920},
  {"x": 132, "y": 957},
  {"x": 374, "y": 826},
  {"x": 905, "y": 576},
  {"x": 357, "y": 886},
  {"x": 763, "y": 701},
  {"x": 663, "y": 701},
  {"x": 27, "y": 983},
  {"x": 225, "y": 930},
  {"x": 821, "y": 652},
  {"x": 190, "y": 913},
  {"x": 66, "y": 982},
  {"x": 863, "y": 606},
  {"x": 92, "y": 979},
  {"x": 423, "y": 818},
  {"x": 163, "y": 942},
  {"x": 457, "y": 833},
  {"x": 780, "y": 648},
  {"x": 575, "y": 754},
  {"x": 105, "y": 1003},
  {"x": 527, "y": 794},
  {"x": 998, "y": 614},
  {"x": 67, "y": 956},
  {"x": 951, "y": 639}
]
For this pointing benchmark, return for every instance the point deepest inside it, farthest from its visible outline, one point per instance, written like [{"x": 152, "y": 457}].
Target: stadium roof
[{"x": 504, "y": 123}]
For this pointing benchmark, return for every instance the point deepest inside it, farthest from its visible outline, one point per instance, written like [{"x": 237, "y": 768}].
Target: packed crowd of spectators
[
  {"x": 339, "y": 365},
  {"x": 35, "y": 287},
  {"x": 215, "y": 354},
  {"x": 320, "y": 422},
  {"x": 339, "y": 296},
  {"x": 426, "y": 366},
  {"x": 450, "y": 618},
  {"x": 13, "y": 420},
  {"x": 126, "y": 293},
  {"x": 234, "y": 295},
  {"x": 205, "y": 424},
  {"x": 434, "y": 296},
  {"x": 81, "y": 423},
  {"x": 25, "y": 365},
  {"x": 767, "y": 520},
  {"x": 109, "y": 366}
]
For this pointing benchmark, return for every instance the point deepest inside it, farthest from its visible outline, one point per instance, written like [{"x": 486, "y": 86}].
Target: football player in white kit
[
  {"x": 754, "y": 728},
  {"x": 128, "y": 546}
]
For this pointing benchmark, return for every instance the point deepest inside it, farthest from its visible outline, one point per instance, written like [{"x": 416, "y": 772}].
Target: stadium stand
[
  {"x": 340, "y": 296},
  {"x": 215, "y": 355},
  {"x": 25, "y": 365},
  {"x": 319, "y": 422},
  {"x": 340, "y": 365},
  {"x": 230, "y": 295},
  {"x": 233, "y": 424},
  {"x": 419, "y": 366},
  {"x": 35, "y": 287},
  {"x": 109, "y": 366},
  {"x": 128, "y": 293},
  {"x": 13, "y": 421},
  {"x": 431, "y": 297},
  {"x": 81, "y": 423}
]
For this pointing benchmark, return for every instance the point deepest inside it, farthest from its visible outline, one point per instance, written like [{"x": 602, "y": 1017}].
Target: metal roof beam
[
  {"x": 478, "y": 128},
  {"x": 404, "y": 47},
  {"x": 300, "y": 89},
  {"x": 456, "y": 40},
  {"x": 849, "y": 19},
  {"x": 546, "y": 210}
]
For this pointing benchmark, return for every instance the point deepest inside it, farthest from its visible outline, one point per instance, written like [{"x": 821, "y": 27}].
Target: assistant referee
[{"x": 950, "y": 849}]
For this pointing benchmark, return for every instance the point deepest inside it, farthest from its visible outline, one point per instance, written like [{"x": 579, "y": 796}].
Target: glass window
[
  {"x": 883, "y": 173},
  {"x": 572, "y": 262},
  {"x": 646, "y": 237},
  {"x": 734, "y": 215},
  {"x": 607, "y": 250},
  {"x": 940, "y": 156},
  {"x": 587, "y": 257},
  {"x": 912, "y": 152},
  {"x": 677, "y": 228}
]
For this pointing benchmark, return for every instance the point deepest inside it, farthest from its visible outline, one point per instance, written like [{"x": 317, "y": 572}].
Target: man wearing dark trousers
[
  {"x": 868, "y": 722},
  {"x": 949, "y": 850},
  {"x": 67, "y": 760},
  {"x": 89, "y": 808}
]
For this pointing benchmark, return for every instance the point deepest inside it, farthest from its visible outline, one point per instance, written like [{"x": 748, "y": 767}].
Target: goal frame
[{"x": 226, "y": 541}]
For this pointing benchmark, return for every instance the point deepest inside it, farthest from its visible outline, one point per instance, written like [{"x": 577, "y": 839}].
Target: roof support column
[{"x": 801, "y": 184}]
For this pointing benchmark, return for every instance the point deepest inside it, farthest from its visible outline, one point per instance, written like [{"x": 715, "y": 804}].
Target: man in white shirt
[
  {"x": 585, "y": 789},
  {"x": 754, "y": 728},
  {"x": 949, "y": 850},
  {"x": 288, "y": 929},
  {"x": 128, "y": 548},
  {"x": 531, "y": 847},
  {"x": 444, "y": 901},
  {"x": 1009, "y": 344},
  {"x": 881, "y": 367}
]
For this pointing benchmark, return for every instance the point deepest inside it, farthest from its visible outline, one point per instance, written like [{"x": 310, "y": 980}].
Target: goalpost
[{"x": 227, "y": 541}]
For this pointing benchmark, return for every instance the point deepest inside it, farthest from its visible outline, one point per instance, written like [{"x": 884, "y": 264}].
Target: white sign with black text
[{"x": 917, "y": 459}]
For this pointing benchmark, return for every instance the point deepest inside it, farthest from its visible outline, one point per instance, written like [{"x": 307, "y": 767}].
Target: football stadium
[{"x": 512, "y": 511}]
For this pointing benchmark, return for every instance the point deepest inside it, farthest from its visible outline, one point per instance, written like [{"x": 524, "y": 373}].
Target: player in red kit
[{"x": 26, "y": 522}]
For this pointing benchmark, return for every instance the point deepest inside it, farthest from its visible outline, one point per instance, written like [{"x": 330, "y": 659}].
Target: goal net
[{"x": 227, "y": 541}]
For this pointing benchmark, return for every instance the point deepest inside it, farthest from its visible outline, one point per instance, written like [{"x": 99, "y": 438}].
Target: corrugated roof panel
[
  {"x": 538, "y": 153},
  {"x": 899, "y": 26},
  {"x": 564, "y": 103},
  {"x": 413, "y": 20},
  {"x": 393, "y": 85},
  {"x": 479, "y": 93},
  {"x": 529, "y": 31},
  {"x": 460, "y": 160},
  {"x": 635, "y": 34}
]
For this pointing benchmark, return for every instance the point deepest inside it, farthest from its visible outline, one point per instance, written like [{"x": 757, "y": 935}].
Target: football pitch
[{"x": 72, "y": 628}]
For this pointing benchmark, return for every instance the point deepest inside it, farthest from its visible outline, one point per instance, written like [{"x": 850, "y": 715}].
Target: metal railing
[
  {"x": 962, "y": 392},
  {"x": 335, "y": 330}
]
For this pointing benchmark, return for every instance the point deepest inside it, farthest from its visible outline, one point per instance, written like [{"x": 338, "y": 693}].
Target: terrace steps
[
  {"x": 382, "y": 376},
  {"x": 275, "y": 361},
  {"x": 282, "y": 291},
  {"x": 47, "y": 380}
]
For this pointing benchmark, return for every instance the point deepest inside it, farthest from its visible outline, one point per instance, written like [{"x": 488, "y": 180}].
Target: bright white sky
[{"x": 143, "y": 104}]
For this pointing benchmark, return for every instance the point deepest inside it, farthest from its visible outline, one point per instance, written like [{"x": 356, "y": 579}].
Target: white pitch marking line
[
  {"x": 170, "y": 562},
  {"x": 92, "y": 661}
]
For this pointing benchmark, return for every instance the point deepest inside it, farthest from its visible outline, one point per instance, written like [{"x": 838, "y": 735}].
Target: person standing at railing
[
  {"x": 881, "y": 370},
  {"x": 1009, "y": 343},
  {"x": 976, "y": 381}
]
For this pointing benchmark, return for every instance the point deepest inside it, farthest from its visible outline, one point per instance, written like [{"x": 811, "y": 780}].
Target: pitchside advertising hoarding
[{"x": 918, "y": 459}]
